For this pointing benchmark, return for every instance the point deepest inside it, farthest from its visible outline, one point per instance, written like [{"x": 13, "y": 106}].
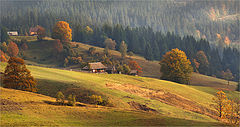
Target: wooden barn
[{"x": 96, "y": 67}]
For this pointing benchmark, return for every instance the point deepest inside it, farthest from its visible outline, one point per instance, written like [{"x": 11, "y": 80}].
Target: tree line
[{"x": 205, "y": 58}]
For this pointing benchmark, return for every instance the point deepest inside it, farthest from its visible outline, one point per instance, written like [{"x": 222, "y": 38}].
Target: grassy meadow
[{"x": 143, "y": 90}]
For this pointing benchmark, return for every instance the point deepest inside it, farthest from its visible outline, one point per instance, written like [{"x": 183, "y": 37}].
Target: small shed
[
  {"x": 111, "y": 70},
  {"x": 12, "y": 33},
  {"x": 133, "y": 72},
  {"x": 96, "y": 67}
]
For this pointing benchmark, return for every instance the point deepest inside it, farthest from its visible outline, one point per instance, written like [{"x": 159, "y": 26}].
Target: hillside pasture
[{"x": 50, "y": 81}]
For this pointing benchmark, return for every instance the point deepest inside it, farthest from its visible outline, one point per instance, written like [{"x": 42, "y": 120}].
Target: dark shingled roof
[{"x": 96, "y": 65}]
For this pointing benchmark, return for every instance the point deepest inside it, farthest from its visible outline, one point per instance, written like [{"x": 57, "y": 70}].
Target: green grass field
[{"x": 143, "y": 90}]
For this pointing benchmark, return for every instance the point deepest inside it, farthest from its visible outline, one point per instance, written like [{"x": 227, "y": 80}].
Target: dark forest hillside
[{"x": 201, "y": 18}]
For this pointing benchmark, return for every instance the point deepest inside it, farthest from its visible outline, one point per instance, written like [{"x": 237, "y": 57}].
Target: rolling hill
[{"x": 169, "y": 103}]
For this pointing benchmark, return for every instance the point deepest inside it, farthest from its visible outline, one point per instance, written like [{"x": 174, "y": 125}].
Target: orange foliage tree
[
  {"x": 3, "y": 56},
  {"x": 133, "y": 65},
  {"x": 41, "y": 32},
  {"x": 176, "y": 67},
  {"x": 62, "y": 31},
  {"x": 12, "y": 49},
  {"x": 17, "y": 76}
]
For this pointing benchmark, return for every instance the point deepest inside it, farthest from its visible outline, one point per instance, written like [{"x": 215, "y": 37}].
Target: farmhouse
[
  {"x": 96, "y": 67},
  {"x": 12, "y": 33},
  {"x": 33, "y": 31}
]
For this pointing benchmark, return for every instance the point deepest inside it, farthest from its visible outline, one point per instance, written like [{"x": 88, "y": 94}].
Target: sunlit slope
[
  {"x": 167, "y": 98},
  {"x": 21, "y": 108}
]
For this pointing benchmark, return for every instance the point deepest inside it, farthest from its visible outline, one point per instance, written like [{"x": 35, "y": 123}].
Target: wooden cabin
[{"x": 96, "y": 67}]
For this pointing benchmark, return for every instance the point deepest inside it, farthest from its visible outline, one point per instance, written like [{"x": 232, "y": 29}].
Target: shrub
[
  {"x": 60, "y": 97},
  {"x": 94, "y": 99},
  {"x": 71, "y": 100}
]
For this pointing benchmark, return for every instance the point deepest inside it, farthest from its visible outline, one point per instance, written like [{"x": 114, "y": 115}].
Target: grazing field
[{"x": 168, "y": 101}]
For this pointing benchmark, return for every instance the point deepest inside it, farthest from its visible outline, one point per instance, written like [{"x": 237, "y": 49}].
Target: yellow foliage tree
[
  {"x": 176, "y": 67},
  {"x": 227, "y": 109},
  {"x": 221, "y": 101},
  {"x": 62, "y": 31}
]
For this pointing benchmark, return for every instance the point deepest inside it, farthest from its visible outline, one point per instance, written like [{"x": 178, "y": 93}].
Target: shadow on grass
[{"x": 51, "y": 87}]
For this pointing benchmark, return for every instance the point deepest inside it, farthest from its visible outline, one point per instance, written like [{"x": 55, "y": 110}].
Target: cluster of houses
[
  {"x": 32, "y": 32},
  {"x": 98, "y": 67}
]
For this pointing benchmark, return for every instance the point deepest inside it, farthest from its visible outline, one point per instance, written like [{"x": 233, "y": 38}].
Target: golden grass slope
[{"x": 156, "y": 94}]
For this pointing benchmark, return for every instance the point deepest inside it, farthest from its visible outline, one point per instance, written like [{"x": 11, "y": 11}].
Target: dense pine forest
[
  {"x": 200, "y": 18},
  {"x": 150, "y": 28}
]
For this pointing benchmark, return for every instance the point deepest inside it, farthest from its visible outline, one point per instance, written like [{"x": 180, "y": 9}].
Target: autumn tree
[
  {"x": 126, "y": 69},
  {"x": 88, "y": 30},
  {"x": 17, "y": 76},
  {"x": 195, "y": 65},
  {"x": 176, "y": 67},
  {"x": 3, "y": 56},
  {"x": 4, "y": 47},
  {"x": 58, "y": 47},
  {"x": 123, "y": 49},
  {"x": 231, "y": 112},
  {"x": 60, "y": 97},
  {"x": 120, "y": 68},
  {"x": 12, "y": 49},
  {"x": 227, "y": 75},
  {"x": 62, "y": 31},
  {"x": 203, "y": 62},
  {"x": 220, "y": 100},
  {"x": 41, "y": 32},
  {"x": 133, "y": 65},
  {"x": 111, "y": 44}
]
